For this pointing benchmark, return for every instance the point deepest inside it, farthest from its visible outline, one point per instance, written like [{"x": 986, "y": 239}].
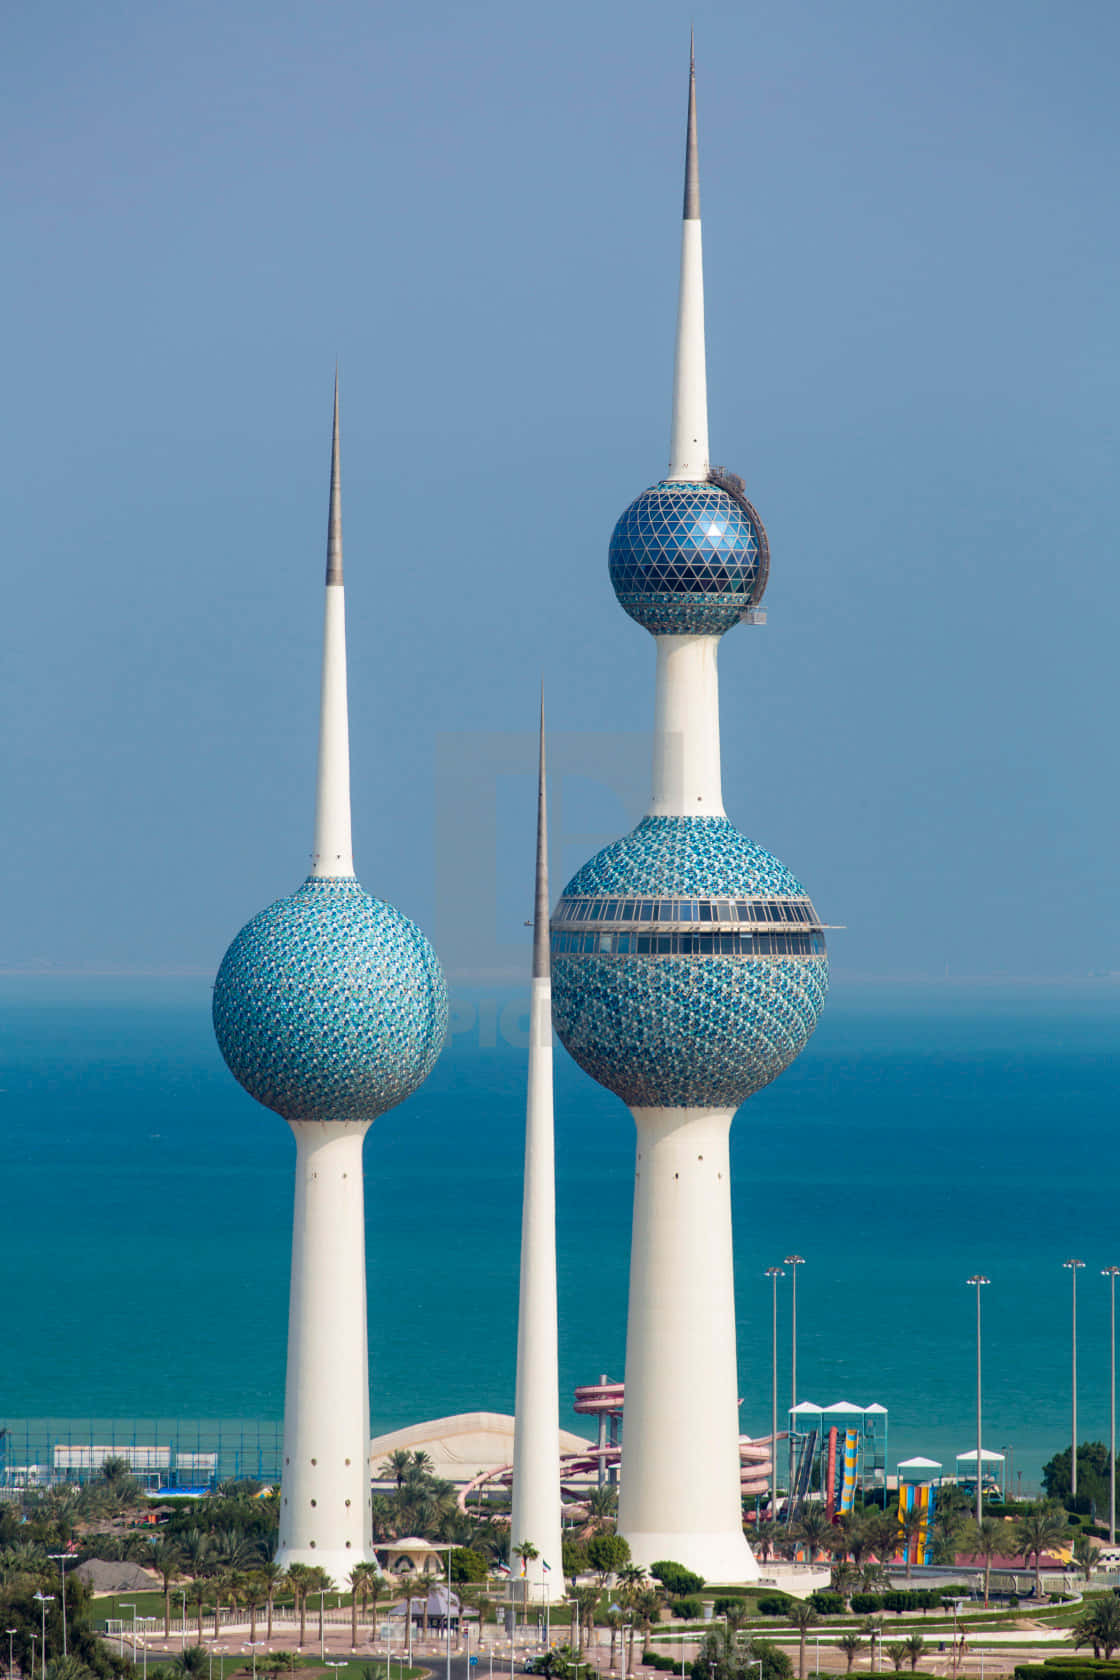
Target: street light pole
[
  {"x": 793, "y": 1261},
  {"x": 45, "y": 1599},
  {"x": 1073, "y": 1267},
  {"x": 774, "y": 1273},
  {"x": 62, "y": 1558},
  {"x": 978, "y": 1281},
  {"x": 11, "y": 1633},
  {"x": 1112, "y": 1273}
]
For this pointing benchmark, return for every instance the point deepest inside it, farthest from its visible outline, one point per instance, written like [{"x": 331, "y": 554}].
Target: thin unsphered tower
[
  {"x": 329, "y": 1008},
  {"x": 535, "y": 1514},
  {"x": 689, "y": 970}
]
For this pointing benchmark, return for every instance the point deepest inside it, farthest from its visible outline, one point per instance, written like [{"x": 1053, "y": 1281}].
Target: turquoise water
[{"x": 926, "y": 1133}]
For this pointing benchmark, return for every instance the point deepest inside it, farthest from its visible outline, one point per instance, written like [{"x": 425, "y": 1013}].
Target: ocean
[{"x": 928, "y": 1132}]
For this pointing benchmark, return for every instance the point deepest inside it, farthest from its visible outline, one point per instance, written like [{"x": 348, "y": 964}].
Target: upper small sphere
[
  {"x": 330, "y": 1005},
  {"x": 689, "y": 559}
]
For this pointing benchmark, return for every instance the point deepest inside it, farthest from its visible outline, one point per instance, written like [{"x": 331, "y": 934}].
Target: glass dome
[{"x": 689, "y": 559}]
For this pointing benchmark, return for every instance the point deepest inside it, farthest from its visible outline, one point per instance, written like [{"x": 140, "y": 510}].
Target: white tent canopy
[
  {"x": 920, "y": 1464},
  {"x": 986, "y": 1456}
]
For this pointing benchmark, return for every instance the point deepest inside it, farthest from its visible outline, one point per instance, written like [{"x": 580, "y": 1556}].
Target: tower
[
  {"x": 535, "y": 1513},
  {"x": 329, "y": 1008},
  {"x": 689, "y": 970}
]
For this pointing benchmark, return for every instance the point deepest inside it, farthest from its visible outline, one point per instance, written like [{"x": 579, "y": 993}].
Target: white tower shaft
[
  {"x": 535, "y": 1514},
  {"x": 686, "y": 764},
  {"x": 680, "y": 1483},
  {"x": 325, "y": 1484},
  {"x": 688, "y": 443},
  {"x": 333, "y": 851}
]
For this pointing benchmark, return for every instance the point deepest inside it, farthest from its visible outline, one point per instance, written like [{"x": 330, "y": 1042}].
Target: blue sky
[{"x": 912, "y": 258}]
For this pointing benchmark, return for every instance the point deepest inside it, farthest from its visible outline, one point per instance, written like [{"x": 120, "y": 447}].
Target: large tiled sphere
[
  {"x": 330, "y": 1005},
  {"x": 688, "y": 965},
  {"x": 688, "y": 559}
]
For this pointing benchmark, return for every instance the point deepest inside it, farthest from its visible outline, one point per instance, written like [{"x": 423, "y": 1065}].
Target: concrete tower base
[
  {"x": 325, "y": 1486},
  {"x": 680, "y": 1494}
]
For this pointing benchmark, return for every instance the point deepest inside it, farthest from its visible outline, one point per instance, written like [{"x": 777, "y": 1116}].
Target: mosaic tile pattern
[
  {"x": 330, "y": 1005},
  {"x": 676, "y": 1030},
  {"x": 686, "y": 559},
  {"x": 686, "y": 1032},
  {"x": 702, "y": 857}
]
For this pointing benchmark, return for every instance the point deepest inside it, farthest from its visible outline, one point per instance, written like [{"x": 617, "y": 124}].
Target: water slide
[
  {"x": 922, "y": 1496},
  {"x": 850, "y": 1471}
]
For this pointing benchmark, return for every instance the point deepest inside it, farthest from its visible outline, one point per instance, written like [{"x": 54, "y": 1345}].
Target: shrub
[
  {"x": 676, "y": 1579},
  {"x": 866, "y": 1604},
  {"x": 688, "y": 1609},
  {"x": 775, "y": 1604},
  {"x": 658, "y": 1659},
  {"x": 827, "y": 1603}
]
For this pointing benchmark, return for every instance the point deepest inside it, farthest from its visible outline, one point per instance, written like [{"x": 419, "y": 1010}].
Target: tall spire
[
  {"x": 535, "y": 1505},
  {"x": 541, "y": 907},
  {"x": 334, "y": 517},
  {"x": 691, "y": 150},
  {"x": 688, "y": 445},
  {"x": 333, "y": 853}
]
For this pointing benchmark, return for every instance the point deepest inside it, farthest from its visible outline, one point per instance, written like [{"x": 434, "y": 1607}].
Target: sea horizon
[{"x": 931, "y": 1129}]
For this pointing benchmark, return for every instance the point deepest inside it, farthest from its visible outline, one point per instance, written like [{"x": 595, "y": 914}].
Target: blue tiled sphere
[
  {"x": 688, "y": 965},
  {"x": 688, "y": 559},
  {"x": 330, "y": 1005}
]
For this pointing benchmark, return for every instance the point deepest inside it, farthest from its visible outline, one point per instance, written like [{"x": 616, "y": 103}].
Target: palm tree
[
  {"x": 765, "y": 1534},
  {"x": 1038, "y": 1527},
  {"x": 602, "y": 1509},
  {"x": 396, "y": 1467},
  {"x": 857, "y": 1536},
  {"x": 378, "y": 1584},
  {"x": 360, "y": 1580},
  {"x": 585, "y": 1600},
  {"x": 273, "y": 1577},
  {"x": 909, "y": 1527},
  {"x": 1099, "y": 1625},
  {"x": 319, "y": 1583},
  {"x": 255, "y": 1593},
  {"x": 802, "y": 1616},
  {"x": 167, "y": 1561},
  {"x": 845, "y": 1580},
  {"x": 851, "y": 1644},
  {"x": 1085, "y": 1555},
  {"x": 192, "y": 1663},
  {"x": 614, "y": 1622},
  {"x": 814, "y": 1529},
  {"x": 914, "y": 1645},
  {"x": 526, "y": 1551},
  {"x": 194, "y": 1547},
  {"x": 983, "y": 1539},
  {"x": 897, "y": 1652},
  {"x": 646, "y": 1607},
  {"x": 197, "y": 1596},
  {"x": 300, "y": 1578}
]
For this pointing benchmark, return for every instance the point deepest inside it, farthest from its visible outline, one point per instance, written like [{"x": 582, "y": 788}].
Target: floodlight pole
[
  {"x": 774, "y": 1273},
  {"x": 978, "y": 1281},
  {"x": 61, "y": 1558},
  {"x": 1111, "y": 1273},
  {"x": 1073, "y": 1267}
]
